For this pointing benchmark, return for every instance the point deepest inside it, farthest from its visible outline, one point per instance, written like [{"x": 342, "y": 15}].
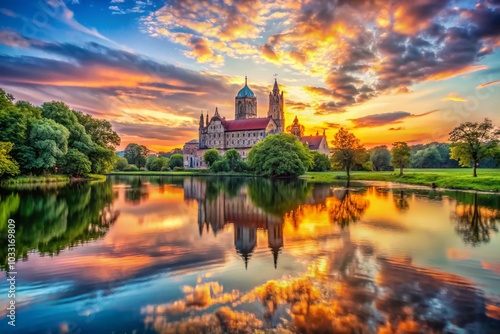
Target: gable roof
[
  {"x": 247, "y": 124},
  {"x": 313, "y": 141}
]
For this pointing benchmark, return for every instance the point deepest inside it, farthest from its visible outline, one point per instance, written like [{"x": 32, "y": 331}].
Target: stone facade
[
  {"x": 242, "y": 133},
  {"x": 315, "y": 143}
]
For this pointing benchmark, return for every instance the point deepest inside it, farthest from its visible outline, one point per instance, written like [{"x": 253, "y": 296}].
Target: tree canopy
[
  {"x": 401, "y": 156},
  {"x": 280, "y": 155},
  {"x": 473, "y": 141},
  {"x": 136, "y": 154},
  {"x": 347, "y": 150},
  {"x": 210, "y": 156},
  {"x": 380, "y": 157}
]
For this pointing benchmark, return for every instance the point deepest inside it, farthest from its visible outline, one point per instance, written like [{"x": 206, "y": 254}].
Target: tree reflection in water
[
  {"x": 401, "y": 201},
  {"x": 474, "y": 223},
  {"x": 346, "y": 207},
  {"x": 54, "y": 219}
]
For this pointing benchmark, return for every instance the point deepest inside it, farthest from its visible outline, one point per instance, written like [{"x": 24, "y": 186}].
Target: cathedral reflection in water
[
  {"x": 239, "y": 210},
  {"x": 218, "y": 207}
]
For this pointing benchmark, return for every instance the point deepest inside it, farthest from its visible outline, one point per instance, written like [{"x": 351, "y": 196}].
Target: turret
[
  {"x": 202, "y": 125},
  {"x": 276, "y": 106}
]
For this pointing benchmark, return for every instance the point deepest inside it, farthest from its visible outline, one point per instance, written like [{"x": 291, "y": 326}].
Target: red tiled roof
[
  {"x": 246, "y": 124},
  {"x": 312, "y": 141}
]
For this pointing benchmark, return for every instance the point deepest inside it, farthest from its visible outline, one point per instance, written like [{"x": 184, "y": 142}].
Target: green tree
[
  {"x": 427, "y": 158},
  {"x": 380, "y": 158},
  {"x": 321, "y": 163},
  {"x": 221, "y": 165},
  {"x": 347, "y": 150},
  {"x": 100, "y": 131},
  {"x": 8, "y": 166},
  {"x": 48, "y": 142},
  {"x": 149, "y": 161},
  {"x": 176, "y": 160},
  {"x": 159, "y": 163},
  {"x": 280, "y": 155},
  {"x": 233, "y": 159},
  {"x": 401, "y": 156},
  {"x": 136, "y": 154},
  {"x": 121, "y": 163},
  {"x": 473, "y": 142},
  {"x": 210, "y": 156},
  {"x": 75, "y": 163},
  {"x": 60, "y": 113}
]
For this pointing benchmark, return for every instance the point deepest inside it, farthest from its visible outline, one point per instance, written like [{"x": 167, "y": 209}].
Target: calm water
[{"x": 198, "y": 255}]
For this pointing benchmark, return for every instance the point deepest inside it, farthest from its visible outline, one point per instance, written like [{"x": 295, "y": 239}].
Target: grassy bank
[
  {"x": 48, "y": 179},
  {"x": 196, "y": 172},
  {"x": 453, "y": 178}
]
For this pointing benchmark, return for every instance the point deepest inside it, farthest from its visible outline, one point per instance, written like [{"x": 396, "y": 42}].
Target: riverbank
[
  {"x": 450, "y": 178},
  {"x": 196, "y": 172},
  {"x": 48, "y": 179}
]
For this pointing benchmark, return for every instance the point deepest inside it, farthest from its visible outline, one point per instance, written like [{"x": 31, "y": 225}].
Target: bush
[
  {"x": 321, "y": 163},
  {"x": 176, "y": 160},
  {"x": 121, "y": 163},
  {"x": 131, "y": 168},
  {"x": 164, "y": 169},
  {"x": 220, "y": 166},
  {"x": 143, "y": 169},
  {"x": 159, "y": 163},
  {"x": 178, "y": 169}
]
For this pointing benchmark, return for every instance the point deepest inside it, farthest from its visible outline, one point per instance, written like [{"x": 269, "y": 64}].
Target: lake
[{"x": 238, "y": 255}]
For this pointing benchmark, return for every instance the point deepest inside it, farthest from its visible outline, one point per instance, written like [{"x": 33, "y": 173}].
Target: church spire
[
  {"x": 246, "y": 80},
  {"x": 216, "y": 112},
  {"x": 275, "y": 87}
]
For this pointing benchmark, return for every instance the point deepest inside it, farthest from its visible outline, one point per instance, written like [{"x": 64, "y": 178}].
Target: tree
[
  {"x": 159, "y": 163},
  {"x": 321, "y": 163},
  {"x": 280, "y": 155},
  {"x": 473, "y": 142},
  {"x": 347, "y": 150},
  {"x": 233, "y": 159},
  {"x": 380, "y": 158},
  {"x": 427, "y": 158},
  {"x": 121, "y": 163},
  {"x": 149, "y": 161},
  {"x": 210, "y": 156},
  {"x": 401, "y": 156},
  {"x": 99, "y": 130},
  {"x": 75, "y": 163},
  {"x": 48, "y": 142},
  {"x": 8, "y": 166},
  {"x": 136, "y": 154},
  {"x": 176, "y": 160},
  {"x": 220, "y": 165},
  {"x": 60, "y": 113}
]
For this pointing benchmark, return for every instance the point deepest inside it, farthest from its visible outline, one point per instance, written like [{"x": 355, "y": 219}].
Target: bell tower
[
  {"x": 245, "y": 103},
  {"x": 276, "y": 110}
]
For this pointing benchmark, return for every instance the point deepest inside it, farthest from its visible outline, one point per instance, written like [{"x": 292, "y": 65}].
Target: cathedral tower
[
  {"x": 245, "y": 103},
  {"x": 276, "y": 110}
]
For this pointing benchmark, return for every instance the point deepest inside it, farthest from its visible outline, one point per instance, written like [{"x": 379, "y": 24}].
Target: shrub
[
  {"x": 178, "y": 169},
  {"x": 131, "y": 168},
  {"x": 143, "y": 169},
  {"x": 166, "y": 168},
  {"x": 220, "y": 166}
]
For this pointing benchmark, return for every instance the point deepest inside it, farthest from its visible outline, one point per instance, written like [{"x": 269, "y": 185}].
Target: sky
[{"x": 386, "y": 70}]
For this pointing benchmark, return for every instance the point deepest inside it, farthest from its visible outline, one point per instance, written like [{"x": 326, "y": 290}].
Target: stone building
[
  {"x": 315, "y": 143},
  {"x": 242, "y": 133}
]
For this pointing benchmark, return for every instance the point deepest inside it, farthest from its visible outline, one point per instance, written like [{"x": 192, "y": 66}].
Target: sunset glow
[{"x": 402, "y": 71}]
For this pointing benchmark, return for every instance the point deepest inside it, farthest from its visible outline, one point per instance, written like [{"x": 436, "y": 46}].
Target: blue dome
[{"x": 245, "y": 91}]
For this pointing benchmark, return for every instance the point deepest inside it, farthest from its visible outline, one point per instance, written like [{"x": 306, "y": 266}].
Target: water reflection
[
  {"x": 475, "y": 223},
  {"x": 238, "y": 255}
]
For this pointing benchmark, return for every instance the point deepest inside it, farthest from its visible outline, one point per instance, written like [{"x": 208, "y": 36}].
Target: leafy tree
[
  {"x": 75, "y": 163},
  {"x": 99, "y": 130},
  {"x": 136, "y": 154},
  {"x": 427, "y": 158},
  {"x": 149, "y": 161},
  {"x": 210, "y": 156},
  {"x": 401, "y": 156},
  {"x": 380, "y": 158},
  {"x": 159, "y": 163},
  {"x": 473, "y": 142},
  {"x": 280, "y": 155},
  {"x": 233, "y": 158},
  {"x": 121, "y": 163},
  {"x": 176, "y": 160},
  {"x": 48, "y": 142},
  {"x": 8, "y": 166},
  {"x": 60, "y": 113},
  {"x": 11, "y": 121},
  {"x": 221, "y": 165},
  {"x": 347, "y": 150},
  {"x": 321, "y": 163}
]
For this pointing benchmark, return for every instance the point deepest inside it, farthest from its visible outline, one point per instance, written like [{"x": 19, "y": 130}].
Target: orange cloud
[
  {"x": 454, "y": 97},
  {"x": 491, "y": 83},
  {"x": 453, "y": 73}
]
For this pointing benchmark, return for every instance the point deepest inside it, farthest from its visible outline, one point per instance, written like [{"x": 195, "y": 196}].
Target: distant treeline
[{"x": 53, "y": 139}]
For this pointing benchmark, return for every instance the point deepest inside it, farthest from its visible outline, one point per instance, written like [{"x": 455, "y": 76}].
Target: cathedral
[{"x": 245, "y": 130}]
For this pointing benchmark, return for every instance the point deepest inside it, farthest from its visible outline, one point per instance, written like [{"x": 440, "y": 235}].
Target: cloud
[
  {"x": 454, "y": 97},
  {"x": 376, "y": 120},
  {"x": 399, "y": 128},
  {"x": 491, "y": 83},
  {"x": 359, "y": 49}
]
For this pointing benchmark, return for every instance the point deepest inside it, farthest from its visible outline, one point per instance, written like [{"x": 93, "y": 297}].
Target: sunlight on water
[{"x": 193, "y": 255}]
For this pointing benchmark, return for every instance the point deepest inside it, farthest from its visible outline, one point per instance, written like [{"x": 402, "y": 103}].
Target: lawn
[{"x": 452, "y": 178}]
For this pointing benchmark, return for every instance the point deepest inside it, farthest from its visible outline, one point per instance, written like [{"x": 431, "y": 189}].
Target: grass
[
  {"x": 27, "y": 179},
  {"x": 451, "y": 178}
]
